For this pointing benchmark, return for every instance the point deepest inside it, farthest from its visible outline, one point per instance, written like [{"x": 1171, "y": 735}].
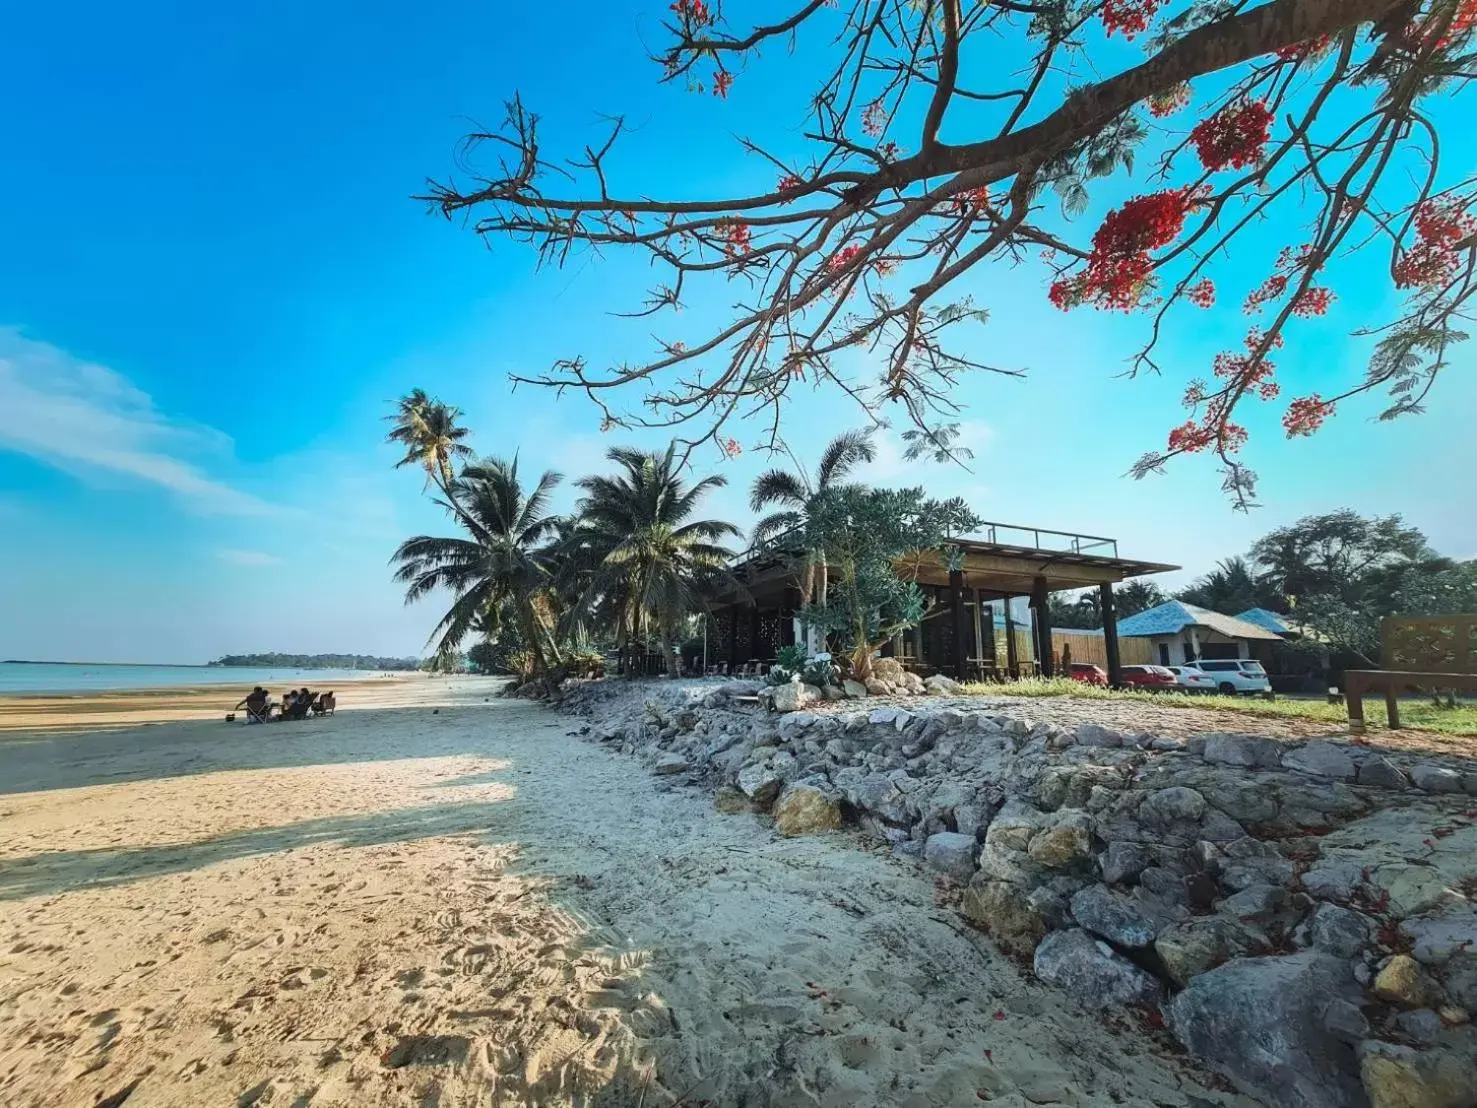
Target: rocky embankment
[{"x": 1301, "y": 916}]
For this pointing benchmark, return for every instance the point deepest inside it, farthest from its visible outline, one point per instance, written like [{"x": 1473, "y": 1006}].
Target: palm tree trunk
[{"x": 674, "y": 666}]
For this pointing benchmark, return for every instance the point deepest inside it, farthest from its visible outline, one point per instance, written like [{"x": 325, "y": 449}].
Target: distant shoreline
[{"x": 195, "y": 665}]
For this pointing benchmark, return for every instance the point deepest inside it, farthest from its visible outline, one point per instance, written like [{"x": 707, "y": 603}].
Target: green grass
[{"x": 1418, "y": 713}]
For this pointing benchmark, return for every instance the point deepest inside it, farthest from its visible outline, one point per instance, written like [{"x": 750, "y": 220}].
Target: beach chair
[
  {"x": 323, "y": 704},
  {"x": 259, "y": 712},
  {"x": 300, "y": 708}
]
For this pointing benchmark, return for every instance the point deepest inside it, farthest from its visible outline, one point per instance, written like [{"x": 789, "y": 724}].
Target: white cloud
[
  {"x": 92, "y": 422},
  {"x": 248, "y": 558}
]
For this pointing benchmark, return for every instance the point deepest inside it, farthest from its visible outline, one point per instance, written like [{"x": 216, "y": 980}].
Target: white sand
[{"x": 470, "y": 907}]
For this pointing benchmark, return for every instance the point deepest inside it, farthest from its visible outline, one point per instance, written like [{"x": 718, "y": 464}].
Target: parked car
[
  {"x": 1235, "y": 677},
  {"x": 1191, "y": 680},
  {"x": 1148, "y": 677},
  {"x": 1089, "y": 674}
]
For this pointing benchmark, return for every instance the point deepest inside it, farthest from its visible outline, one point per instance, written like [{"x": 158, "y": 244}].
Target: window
[
  {"x": 1220, "y": 667},
  {"x": 1252, "y": 667}
]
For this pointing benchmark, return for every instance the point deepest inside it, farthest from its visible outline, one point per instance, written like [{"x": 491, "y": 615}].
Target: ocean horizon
[{"x": 22, "y": 677}]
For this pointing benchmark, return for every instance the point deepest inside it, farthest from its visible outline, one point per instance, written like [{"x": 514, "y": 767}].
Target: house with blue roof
[{"x": 1178, "y": 632}]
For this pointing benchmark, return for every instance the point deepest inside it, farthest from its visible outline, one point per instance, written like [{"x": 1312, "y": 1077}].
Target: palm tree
[
  {"x": 795, "y": 493},
  {"x": 503, "y": 559},
  {"x": 1232, "y": 586},
  {"x": 432, "y": 438},
  {"x": 651, "y": 561},
  {"x": 939, "y": 443}
]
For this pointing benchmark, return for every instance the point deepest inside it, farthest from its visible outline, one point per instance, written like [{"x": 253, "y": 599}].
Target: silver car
[{"x": 1234, "y": 676}]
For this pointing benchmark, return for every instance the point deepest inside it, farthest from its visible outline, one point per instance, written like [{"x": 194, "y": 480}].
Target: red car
[
  {"x": 1149, "y": 677},
  {"x": 1089, "y": 674}
]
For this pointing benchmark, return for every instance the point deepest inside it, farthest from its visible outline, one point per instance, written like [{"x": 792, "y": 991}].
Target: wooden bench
[{"x": 1419, "y": 654}]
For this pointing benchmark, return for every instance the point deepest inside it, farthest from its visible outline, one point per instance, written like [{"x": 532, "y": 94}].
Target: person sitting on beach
[
  {"x": 256, "y": 704},
  {"x": 288, "y": 699}
]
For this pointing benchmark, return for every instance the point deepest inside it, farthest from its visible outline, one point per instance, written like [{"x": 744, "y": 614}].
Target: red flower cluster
[
  {"x": 1119, "y": 267},
  {"x": 695, "y": 13},
  {"x": 1305, "y": 415},
  {"x": 789, "y": 183},
  {"x": 971, "y": 200},
  {"x": 1132, "y": 17},
  {"x": 732, "y": 448},
  {"x": 736, "y": 237},
  {"x": 1441, "y": 226},
  {"x": 1234, "y": 136},
  {"x": 1300, "y": 51},
  {"x": 874, "y": 119},
  {"x": 1312, "y": 301},
  {"x": 1202, "y": 293},
  {"x": 1462, "y": 21},
  {"x": 1169, "y": 101},
  {"x": 722, "y": 82},
  {"x": 1270, "y": 289},
  {"x": 1191, "y": 437},
  {"x": 843, "y": 257}
]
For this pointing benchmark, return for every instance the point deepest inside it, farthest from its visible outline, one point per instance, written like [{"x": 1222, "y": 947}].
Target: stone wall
[{"x": 1303, "y": 916}]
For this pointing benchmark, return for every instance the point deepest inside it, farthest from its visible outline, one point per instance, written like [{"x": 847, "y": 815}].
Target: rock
[
  {"x": 970, "y": 819},
  {"x": 1255, "y": 903},
  {"x": 1123, "y": 862},
  {"x": 803, "y": 808},
  {"x": 1092, "y": 972},
  {"x": 1197, "y": 945},
  {"x": 760, "y": 783},
  {"x": 1127, "y": 921},
  {"x": 881, "y": 795},
  {"x": 952, "y": 854},
  {"x": 793, "y": 696},
  {"x": 731, "y": 801},
  {"x": 1461, "y": 979},
  {"x": 887, "y": 668},
  {"x": 854, "y": 689},
  {"x": 1342, "y": 932},
  {"x": 1437, "y": 939},
  {"x": 1322, "y": 759},
  {"x": 1176, "y": 803},
  {"x": 1006, "y": 913},
  {"x": 1249, "y": 861},
  {"x": 1334, "y": 880},
  {"x": 1453, "y": 1016},
  {"x": 1345, "y": 1021},
  {"x": 671, "y": 763},
  {"x": 1067, "y": 841},
  {"x": 1260, "y": 1021},
  {"x": 1402, "y": 1077},
  {"x": 1014, "y": 826},
  {"x": 1422, "y": 1026},
  {"x": 939, "y": 685},
  {"x": 1382, "y": 773},
  {"x": 1405, "y": 983},
  {"x": 1242, "y": 750},
  {"x": 1090, "y": 734},
  {"x": 875, "y": 687},
  {"x": 1436, "y": 779}
]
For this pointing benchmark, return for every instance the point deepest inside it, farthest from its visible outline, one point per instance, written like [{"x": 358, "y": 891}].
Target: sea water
[{"x": 53, "y": 677}]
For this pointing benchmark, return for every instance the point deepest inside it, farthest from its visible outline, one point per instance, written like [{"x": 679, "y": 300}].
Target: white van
[{"x": 1234, "y": 676}]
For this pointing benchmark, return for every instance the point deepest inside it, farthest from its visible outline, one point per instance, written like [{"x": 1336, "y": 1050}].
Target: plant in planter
[{"x": 868, "y": 535}]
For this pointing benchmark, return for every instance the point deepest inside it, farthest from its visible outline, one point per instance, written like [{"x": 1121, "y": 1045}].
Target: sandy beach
[{"x": 456, "y": 903}]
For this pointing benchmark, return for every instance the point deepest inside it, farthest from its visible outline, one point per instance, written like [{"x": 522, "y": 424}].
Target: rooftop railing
[{"x": 999, "y": 534}]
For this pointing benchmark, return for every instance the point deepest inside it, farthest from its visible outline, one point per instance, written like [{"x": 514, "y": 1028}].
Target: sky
[{"x": 217, "y": 282}]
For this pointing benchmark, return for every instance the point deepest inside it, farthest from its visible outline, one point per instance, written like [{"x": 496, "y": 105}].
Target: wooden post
[
  {"x": 754, "y": 634},
  {"x": 979, "y": 631},
  {"x": 1110, "y": 634},
  {"x": 961, "y": 643},
  {"x": 1012, "y": 663},
  {"x": 1042, "y": 622},
  {"x": 733, "y": 662}
]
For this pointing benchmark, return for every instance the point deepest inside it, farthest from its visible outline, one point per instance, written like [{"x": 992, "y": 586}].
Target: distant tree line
[
  {"x": 317, "y": 661},
  {"x": 1336, "y": 574}
]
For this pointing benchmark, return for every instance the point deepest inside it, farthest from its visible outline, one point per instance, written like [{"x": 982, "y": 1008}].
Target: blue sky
[{"x": 216, "y": 282}]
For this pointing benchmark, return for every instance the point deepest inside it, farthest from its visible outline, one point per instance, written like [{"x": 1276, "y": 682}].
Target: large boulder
[
  {"x": 1342, "y": 932},
  {"x": 760, "y": 783},
  {"x": 1092, "y": 971},
  {"x": 1200, "y": 944},
  {"x": 1322, "y": 759},
  {"x": 1242, "y": 750},
  {"x": 1175, "y": 803},
  {"x": 880, "y": 795},
  {"x": 793, "y": 696},
  {"x": 952, "y": 854},
  {"x": 1405, "y": 983},
  {"x": 1382, "y": 773},
  {"x": 1263, "y": 1022},
  {"x": 854, "y": 689},
  {"x": 1398, "y": 1076},
  {"x": 671, "y": 763},
  {"x": 1436, "y": 779},
  {"x": 939, "y": 685},
  {"x": 1129, "y": 921},
  {"x": 1007, "y": 913},
  {"x": 1065, "y": 842},
  {"x": 806, "y": 807}
]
